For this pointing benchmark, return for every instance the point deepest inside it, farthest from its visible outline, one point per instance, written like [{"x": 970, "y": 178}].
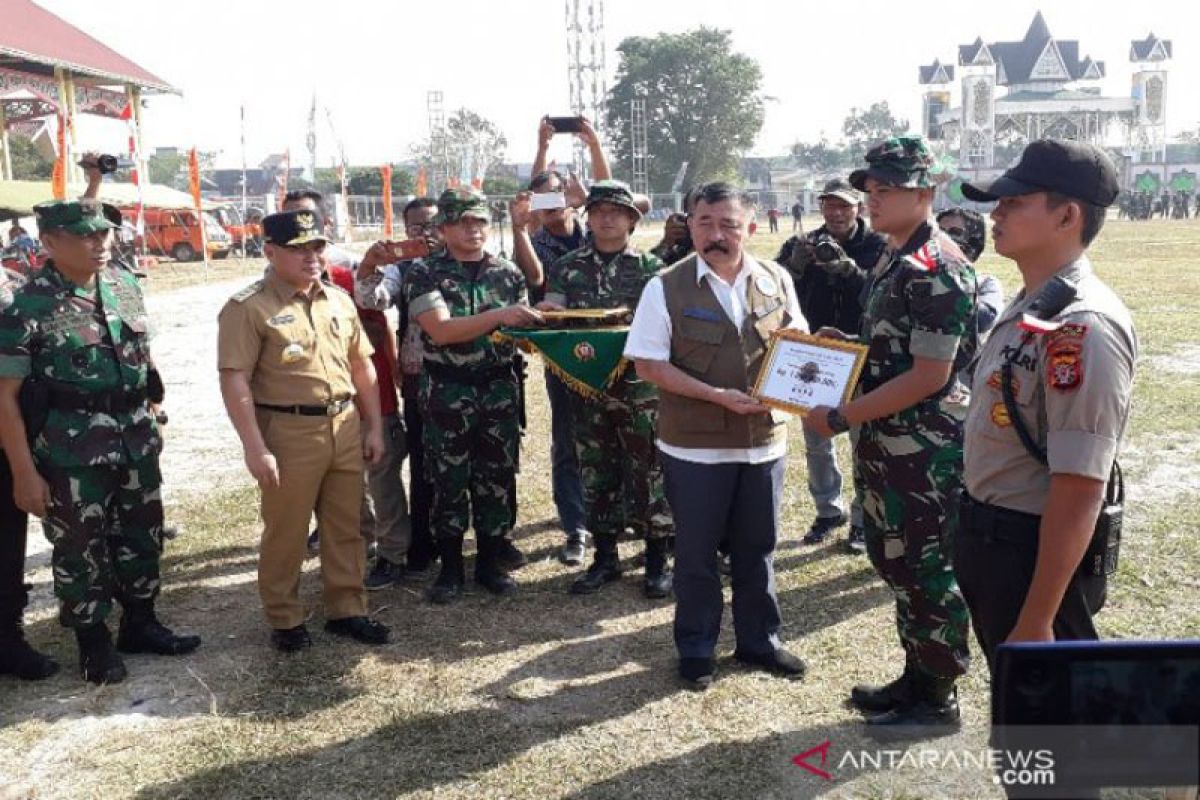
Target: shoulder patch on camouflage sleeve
[
  {"x": 243, "y": 295},
  {"x": 925, "y": 259}
]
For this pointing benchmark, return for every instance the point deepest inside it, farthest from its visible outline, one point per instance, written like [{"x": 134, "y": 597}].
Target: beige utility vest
[{"x": 706, "y": 345}]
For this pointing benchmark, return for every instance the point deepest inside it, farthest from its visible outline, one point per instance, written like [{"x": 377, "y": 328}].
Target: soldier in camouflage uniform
[
  {"x": 918, "y": 326},
  {"x": 79, "y": 332},
  {"x": 459, "y": 296},
  {"x": 614, "y": 433}
]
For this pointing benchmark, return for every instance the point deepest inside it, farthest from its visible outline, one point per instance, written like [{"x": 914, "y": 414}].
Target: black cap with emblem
[
  {"x": 290, "y": 228},
  {"x": 1074, "y": 169}
]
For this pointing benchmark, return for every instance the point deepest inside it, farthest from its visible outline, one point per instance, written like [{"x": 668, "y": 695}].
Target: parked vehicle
[{"x": 176, "y": 233}]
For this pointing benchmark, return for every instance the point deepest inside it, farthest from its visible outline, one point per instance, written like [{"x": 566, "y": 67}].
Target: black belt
[
  {"x": 474, "y": 375},
  {"x": 119, "y": 402},
  {"x": 987, "y": 520},
  {"x": 331, "y": 409}
]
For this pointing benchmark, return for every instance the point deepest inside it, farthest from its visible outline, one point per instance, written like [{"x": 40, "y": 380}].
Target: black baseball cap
[
  {"x": 291, "y": 228},
  {"x": 1075, "y": 169}
]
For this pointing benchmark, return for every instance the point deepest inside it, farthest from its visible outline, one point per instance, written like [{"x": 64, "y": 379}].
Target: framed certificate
[{"x": 801, "y": 371}]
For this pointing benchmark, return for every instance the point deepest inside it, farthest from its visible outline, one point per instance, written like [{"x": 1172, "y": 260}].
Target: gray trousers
[
  {"x": 825, "y": 479},
  {"x": 711, "y": 502},
  {"x": 392, "y": 528}
]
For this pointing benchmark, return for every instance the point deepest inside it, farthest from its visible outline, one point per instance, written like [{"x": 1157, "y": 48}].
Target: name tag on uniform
[
  {"x": 702, "y": 313},
  {"x": 282, "y": 319},
  {"x": 767, "y": 310}
]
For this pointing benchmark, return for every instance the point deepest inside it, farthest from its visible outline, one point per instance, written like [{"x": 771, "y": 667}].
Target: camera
[
  {"x": 827, "y": 249},
  {"x": 108, "y": 164}
]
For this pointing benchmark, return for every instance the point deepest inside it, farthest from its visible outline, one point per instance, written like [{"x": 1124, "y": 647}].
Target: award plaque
[{"x": 801, "y": 371}]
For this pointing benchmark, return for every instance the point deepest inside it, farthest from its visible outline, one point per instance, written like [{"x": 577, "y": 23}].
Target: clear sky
[{"x": 371, "y": 63}]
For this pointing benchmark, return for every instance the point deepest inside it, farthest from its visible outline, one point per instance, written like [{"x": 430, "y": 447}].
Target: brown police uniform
[{"x": 297, "y": 351}]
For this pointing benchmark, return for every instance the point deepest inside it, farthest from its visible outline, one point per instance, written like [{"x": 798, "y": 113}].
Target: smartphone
[
  {"x": 409, "y": 249},
  {"x": 566, "y": 124},
  {"x": 547, "y": 201}
]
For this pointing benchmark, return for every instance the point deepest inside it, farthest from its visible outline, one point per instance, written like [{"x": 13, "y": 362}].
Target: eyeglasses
[{"x": 420, "y": 227}]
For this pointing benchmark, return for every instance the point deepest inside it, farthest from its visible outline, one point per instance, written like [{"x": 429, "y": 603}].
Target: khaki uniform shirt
[
  {"x": 1072, "y": 385},
  {"x": 297, "y": 348}
]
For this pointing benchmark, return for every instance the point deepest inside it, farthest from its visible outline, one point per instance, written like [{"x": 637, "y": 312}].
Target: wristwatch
[{"x": 836, "y": 422}]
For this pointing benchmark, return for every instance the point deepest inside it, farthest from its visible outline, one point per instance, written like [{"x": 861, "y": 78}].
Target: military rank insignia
[
  {"x": 1000, "y": 416},
  {"x": 1064, "y": 357}
]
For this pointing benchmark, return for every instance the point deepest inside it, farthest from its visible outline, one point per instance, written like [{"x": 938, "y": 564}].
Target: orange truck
[{"x": 175, "y": 232}]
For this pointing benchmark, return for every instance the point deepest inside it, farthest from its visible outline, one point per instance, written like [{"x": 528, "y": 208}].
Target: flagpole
[{"x": 245, "y": 206}]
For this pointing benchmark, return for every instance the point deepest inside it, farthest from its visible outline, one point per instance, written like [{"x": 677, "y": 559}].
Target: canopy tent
[{"x": 17, "y": 198}]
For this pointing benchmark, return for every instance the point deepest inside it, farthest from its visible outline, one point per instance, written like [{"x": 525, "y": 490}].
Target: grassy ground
[{"x": 547, "y": 695}]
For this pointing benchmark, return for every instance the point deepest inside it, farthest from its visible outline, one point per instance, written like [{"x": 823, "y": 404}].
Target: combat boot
[
  {"x": 930, "y": 710},
  {"x": 877, "y": 699},
  {"x": 449, "y": 584},
  {"x": 657, "y": 582},
  {"x": 488, "y": 572},
  {"x": 16, "y": 656},
  {"x": 141, "y": 632},
  {"x": 605, "y": 568},
  {"x": 98, "y": 662}
]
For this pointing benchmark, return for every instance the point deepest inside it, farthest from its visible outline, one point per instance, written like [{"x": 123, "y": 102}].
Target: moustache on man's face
[{"x": 724, "y": 248}]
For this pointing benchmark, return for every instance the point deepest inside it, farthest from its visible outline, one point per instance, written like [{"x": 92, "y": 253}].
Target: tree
[
  {"x": 369, "y": 181},
  {"x": 865, "y": 127},
  {"x": 28, "y": 163},
  {"x": 474, "y": 146},
  {"x": 703, "y": 104},
  {"x": 167, "y": 166},
  {"x": 821, "y": 157}
]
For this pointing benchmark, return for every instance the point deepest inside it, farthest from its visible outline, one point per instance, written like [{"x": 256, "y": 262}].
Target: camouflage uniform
[
  {"x": 921, "y": 304},
  {"x": 614, "y": 433},
  {"x": 98, "y": 449},
  {"x": 469, "y": 397}
]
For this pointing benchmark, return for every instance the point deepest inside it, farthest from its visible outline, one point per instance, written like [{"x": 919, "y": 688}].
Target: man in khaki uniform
[
  {"x": 1064, "y": 353},
  {"x": 296, "y": 374}
]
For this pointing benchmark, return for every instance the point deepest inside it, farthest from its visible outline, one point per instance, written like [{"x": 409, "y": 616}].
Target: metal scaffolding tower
[
  {"x": 439, "y": 160},
  {"x": 639, "y": 146},
  {"x": 586, "y": 74}
]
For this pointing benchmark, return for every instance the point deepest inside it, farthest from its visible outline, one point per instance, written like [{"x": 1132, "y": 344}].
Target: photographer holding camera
[{"x": 830, "y": 267}]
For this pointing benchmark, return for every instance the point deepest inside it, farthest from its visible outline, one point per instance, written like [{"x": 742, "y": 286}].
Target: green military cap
[
  {"x": 71, "y": 216},
  {"x": 289, "y": 228},
  {"x": 615, "y": 192},
  {"x": 459, "y": 202},
  {"x": 903, "y": 161}
]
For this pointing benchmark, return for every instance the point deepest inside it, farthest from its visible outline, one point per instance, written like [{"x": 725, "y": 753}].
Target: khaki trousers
[{"x": 320, "y": 469}]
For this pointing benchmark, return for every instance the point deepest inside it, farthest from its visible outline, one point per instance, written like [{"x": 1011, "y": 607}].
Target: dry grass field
[{"x": 545, "y": 695}]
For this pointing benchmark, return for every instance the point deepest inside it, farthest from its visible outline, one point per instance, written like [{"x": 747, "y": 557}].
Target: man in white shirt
[{"x": 700, "y": 334}]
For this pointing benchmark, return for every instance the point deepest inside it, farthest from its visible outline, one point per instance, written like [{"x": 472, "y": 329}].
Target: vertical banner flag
[
  {"x": 135, "y": 173},
  {"x": 283, "y": 185},
  {"x": 58, "y": 183},
  {"x": 385, "y": 172},
  {"x": 194, "y": 186},
  {"x": 422, "y": 183}
]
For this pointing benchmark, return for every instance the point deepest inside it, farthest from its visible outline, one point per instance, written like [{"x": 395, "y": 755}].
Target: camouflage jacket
[
  {"x": 440, "y": 280},
  {"x": 921, "y": 304},
  {"x": 83, "y": 341},
  {"x": 584, "y": 278}
]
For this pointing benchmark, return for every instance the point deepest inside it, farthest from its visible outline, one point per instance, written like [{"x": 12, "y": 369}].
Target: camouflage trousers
[
  {"x": 618, "y": 461},
  {"x": 105, "y": 524},
  {"x": 471, "y": 439},
  {"x": 911, "y": 474}
]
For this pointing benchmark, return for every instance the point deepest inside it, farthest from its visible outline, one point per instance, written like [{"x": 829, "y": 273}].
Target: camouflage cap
[
  {"x": 459, "y": 202},
  {"x": 903, "y": 161},
  {"x": 71, "y": 216},
  {"x": 616, "y": 193},
  {"x": 290, "y": 228},
  {"x": 841, "y": 189}
]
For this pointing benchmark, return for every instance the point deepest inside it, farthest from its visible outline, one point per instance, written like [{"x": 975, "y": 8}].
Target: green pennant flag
[{"x": 587, "y": 359}]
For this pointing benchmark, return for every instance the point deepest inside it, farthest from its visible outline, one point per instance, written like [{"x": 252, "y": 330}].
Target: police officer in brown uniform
[
  {"x": 1037, "y": 460},
  {"x": 300, "y": 389}
]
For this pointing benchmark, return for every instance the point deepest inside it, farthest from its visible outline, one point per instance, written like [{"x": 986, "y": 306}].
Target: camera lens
[{"x": 106, "y": 164}]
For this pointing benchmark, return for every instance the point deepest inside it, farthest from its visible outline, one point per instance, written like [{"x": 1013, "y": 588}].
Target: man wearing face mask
[{"x": 830, "y": 267}]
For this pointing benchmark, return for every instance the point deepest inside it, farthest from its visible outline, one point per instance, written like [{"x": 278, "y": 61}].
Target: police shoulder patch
[
  {"x": 243, "y": 295},
  {"x": 924, "y": 259}
]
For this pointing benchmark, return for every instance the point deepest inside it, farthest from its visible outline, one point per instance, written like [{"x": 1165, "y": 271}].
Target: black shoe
[
  {"x": 604, "y": 569},
  {"x": 574, "y": 550},
  {"x": 880, "y": 698},
  {"x": 822, "y": 527},
  {"x": 314, "y": 542},
  {"x": 17, "y": 658},
  {"x": 931, "y": 710},
  {"x": 383, "y": 574},
  {"x": 856, "y": 540},
  {"x": 449, "y": 584},
  {"x": 488, "y": 572},
  {"x": 141, "y": 632},
  {"x": 99, "y": 663},
  {"x": 361, "y": 629},
  {"x": 657, "y": 582},
  {"x": 290, "y": 640},
  {"x": 697, "y": 674},
  {"x": 419, "y": 563},
  {"x": 508, "y": 556},
  {"x": 778, "y": 662}
]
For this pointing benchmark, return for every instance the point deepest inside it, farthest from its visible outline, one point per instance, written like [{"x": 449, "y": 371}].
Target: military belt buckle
[{"x": 333, "y": 409}]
